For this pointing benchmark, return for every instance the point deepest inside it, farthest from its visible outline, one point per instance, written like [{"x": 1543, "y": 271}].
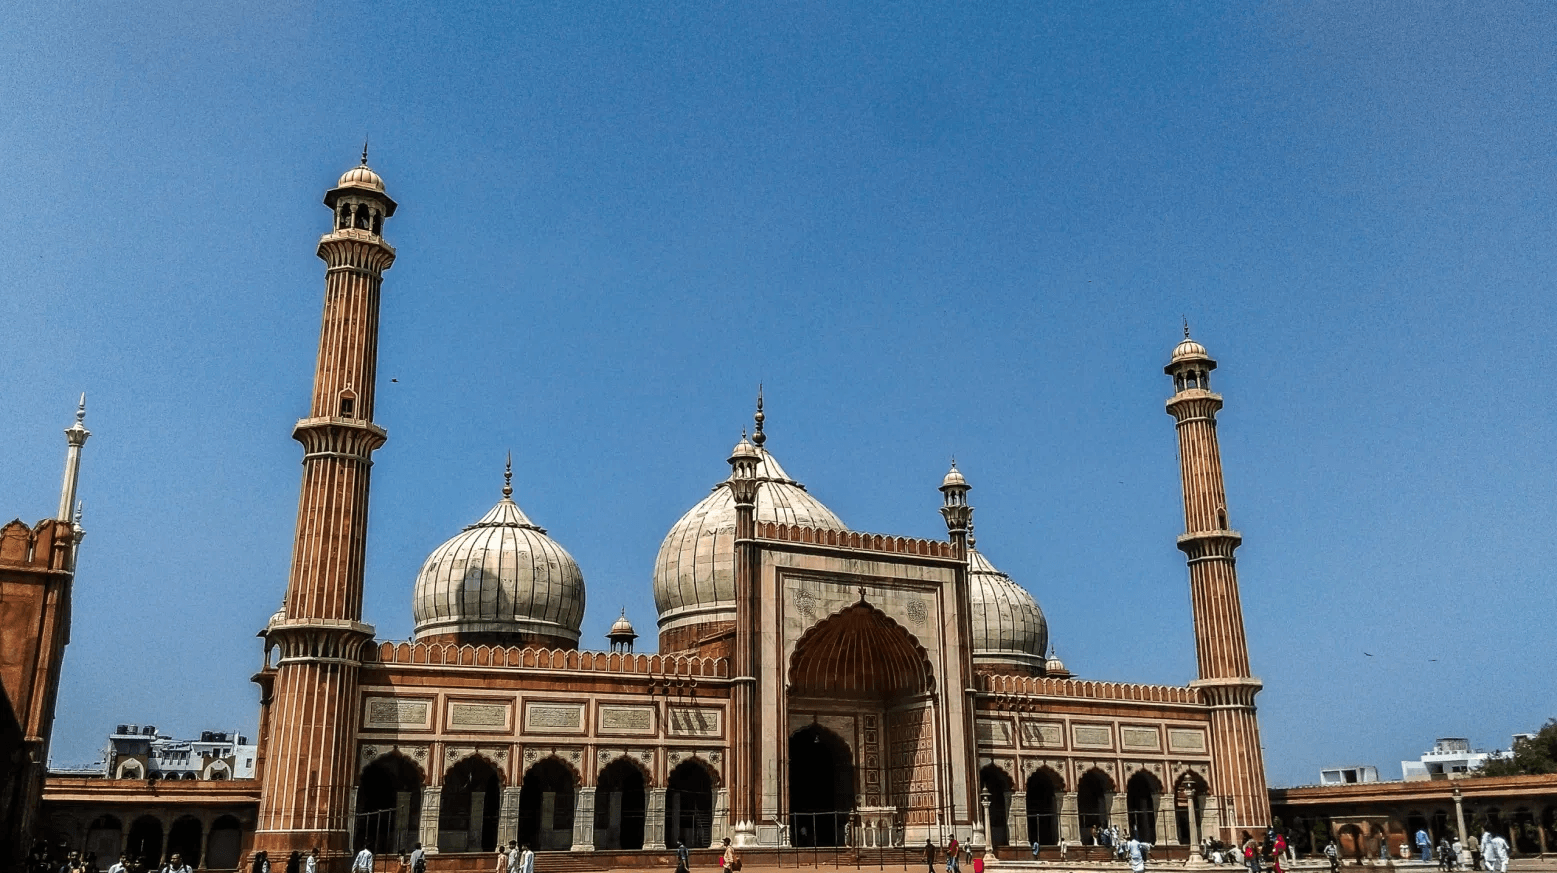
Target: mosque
[{"x": 814, "y": 685}]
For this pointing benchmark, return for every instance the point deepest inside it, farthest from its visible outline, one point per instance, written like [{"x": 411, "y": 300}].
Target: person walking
[
  {"x": 1473, "y": 846},
  {"x": 1424, "y": 845},
  {"x": 418, "y": 858},
  {"x": 311, "y": 860},
  {"x": 1279, "y": 853},
  {"x": 729, "y": 862},
  {"x": 952, "y": 851},
  {"x": 120, "y": 866},
  {"x": 176, "y": 865},
  {"x": 1486, "y": 846},
  {"x": 684, "y": 858},
  {"x": 1333, "y": 855},
  {"x": 513, "y": 859},
  {"x": 526, "y": 860},
  {"x": 1035, "y": 848},
  {"x": 1251, "y": 855},
  {"x": 261, "y": 863},
  {"x": 295, "y": 862},
  {"x": 363, "y": 863},
  {"x": 1496, "y": 852},
  {"x": 929, "y": 854},
  {"x": 1136, "y": 851},
  {"x": 501, "y": 865}
]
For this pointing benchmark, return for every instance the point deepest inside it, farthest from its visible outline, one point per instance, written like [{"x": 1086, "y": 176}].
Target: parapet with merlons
[
  {"x": 531, "y": 659},
  {"x": 45, "y": 547},
  {"x": 848, "y": 539},
  {"x": 1016, "y": 690}
]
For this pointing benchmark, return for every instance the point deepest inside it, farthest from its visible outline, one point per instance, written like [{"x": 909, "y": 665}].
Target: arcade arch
[
  {"x": 995, "y": 781},
  {"x": 1142, "y": 793},
  {"x": 547, "y": 800},
  {"x": 1093, "y": 792},
  {"x": 145, "y": 841},
  {"x": 619, "y": 806},
  {"x": 468, "y": 806},
  {"x": 689, "y": 806},
  {"x": 389, "y": 805},
  {"x": 1043, "y": 818}
]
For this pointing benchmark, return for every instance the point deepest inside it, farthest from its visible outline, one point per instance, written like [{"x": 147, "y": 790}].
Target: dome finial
[
  {"x": 364, "y": 150},
  {"x": 972, "y": 540},
  {"x": 508, "y": 477},
  {"x": 758, "y": 437},
  {"x": 1186, "y": 325}
]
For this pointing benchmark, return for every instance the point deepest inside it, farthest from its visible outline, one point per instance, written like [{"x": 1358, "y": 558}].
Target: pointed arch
[
  {"x": 859, "y": 651},
  {"x": 643, "y": 769}
]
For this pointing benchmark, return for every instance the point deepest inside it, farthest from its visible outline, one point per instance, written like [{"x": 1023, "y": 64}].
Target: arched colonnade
[
  {"x": 554, "y": 805},
  {"x": 1042, "y": 807}
]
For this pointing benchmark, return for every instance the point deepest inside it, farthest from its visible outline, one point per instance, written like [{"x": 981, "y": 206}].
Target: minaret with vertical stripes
[
  {"x": 309, "y": 765},
  {"x": 1237, "y": 766}
]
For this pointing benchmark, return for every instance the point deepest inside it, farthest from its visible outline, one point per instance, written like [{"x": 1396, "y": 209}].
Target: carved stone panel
[
  {"x": 1043, "y": 734},
  {"x": 478, "y": 716},
  {"x": 994, "y": 732},
  {"x": 1092, "y": 736},
  {"x": 695, "y": 721},
  {"x": 626, "y": 719},
  {"x": 553, "y": 718},
  {"x": 1187, "y": 740},
  {"x": 396, "y": 712},
  {"x": 1140, "y": 738}
]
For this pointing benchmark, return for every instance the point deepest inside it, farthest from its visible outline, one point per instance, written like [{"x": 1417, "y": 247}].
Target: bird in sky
[{"x": 1369, "y": 654}]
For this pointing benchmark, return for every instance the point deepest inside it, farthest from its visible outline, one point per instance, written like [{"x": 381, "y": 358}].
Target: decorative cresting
[
  {"x": 694, "y": 574},
  {"x": 1009, "y": 629},
  {"x": 308, "y": 768},
  {"x": 500, "y": 581},
  {"x": 1238, "y": 767},
  {"x": 859, "y": 652}
]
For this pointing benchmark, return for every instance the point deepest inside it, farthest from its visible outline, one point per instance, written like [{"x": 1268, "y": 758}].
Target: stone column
[
  {"x": 983, "y": 833},
  {"x": 432, "y": 803},
  {"x": 1070, "y": 824},
  {"x": 1193, "y": 815},
  {"x": 1016, "y": 818},
  {"x": 1118, "y": 812},
  {"x": 508, "y": 816},
  {"x": 654, "y": 821},
  {"x": 584, "y": 820},
  {"x": 1211, "y": 816},
  {"x": 351, "y": 821},
  {"x": 478, "y": 808},
  {"x": 1167, "y": 826},
  {"x": 720, "y": 827}
]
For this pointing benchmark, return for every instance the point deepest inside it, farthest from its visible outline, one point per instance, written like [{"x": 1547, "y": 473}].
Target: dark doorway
[
  {"x": 1092, "y": 804},
  {"x": 184, "y": 840},
  {"x": 619, "y": 807},
  {"x": 467, "y": 813},
  {"x": 689, "y": 807},
  {"x": 145, "y": 842},
  {"x": 995, "y": 781},
  {"x": 389, "y": 805},
  {"x": 224, "y": 843},
  {"x": 1043, "y": 820},
  {"x": 546, "y": 804},
  {"x": 1142, "y": 794},
  {"x": 103, "y": 837},
  {"x": 821, "y": 787}
]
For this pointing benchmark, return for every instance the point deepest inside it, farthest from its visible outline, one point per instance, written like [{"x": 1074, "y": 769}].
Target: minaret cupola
[{"x": 359, "y": 201}]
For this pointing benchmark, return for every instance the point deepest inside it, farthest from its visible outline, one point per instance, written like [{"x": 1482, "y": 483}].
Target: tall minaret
[
  {"x": 75, "y": 437},
  {"x": 309, "y": 766},
  {"x": 1237, "y": 765},
  {"x": 745, "y": 713}
]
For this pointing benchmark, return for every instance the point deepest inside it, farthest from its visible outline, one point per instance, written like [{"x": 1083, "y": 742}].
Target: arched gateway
[{"x": 859, "y": 693}]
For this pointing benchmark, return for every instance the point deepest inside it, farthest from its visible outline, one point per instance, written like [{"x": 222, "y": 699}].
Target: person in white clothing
[
  {"x": 363, "y": 863},
  {"x": 515, "y": 857},
  {"x": 176, "y": 865},
  {"x": 311, "y": 861},
  {"x": 1136, "y": 850},
  {"x": 527, "y": 861},
  {"x": 1496, "y": 852},
  {"x": 118, "y": 866}
]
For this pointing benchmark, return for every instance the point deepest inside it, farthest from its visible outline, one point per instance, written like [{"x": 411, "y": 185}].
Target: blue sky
[{"x": 929, "y": 231}]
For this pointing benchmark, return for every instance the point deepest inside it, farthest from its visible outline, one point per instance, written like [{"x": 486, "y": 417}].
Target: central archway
[
  {"x": 859, "y": 686},
  {"x": 821, "y": 787}
]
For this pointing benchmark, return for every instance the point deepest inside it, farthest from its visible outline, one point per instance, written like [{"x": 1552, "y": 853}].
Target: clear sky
[{"x": 928, "y": 231}]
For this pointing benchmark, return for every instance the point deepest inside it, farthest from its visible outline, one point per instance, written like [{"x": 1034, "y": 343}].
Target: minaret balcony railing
[
  {"x": 335, "y": 437},
  {"x": 1209, "y": 544}
]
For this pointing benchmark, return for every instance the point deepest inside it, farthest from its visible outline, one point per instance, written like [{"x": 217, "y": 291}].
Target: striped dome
[
  {"x": 694, "y": 575},
  {"x": 1008, "y": 627},
  {"x": 500, "y": 577}
]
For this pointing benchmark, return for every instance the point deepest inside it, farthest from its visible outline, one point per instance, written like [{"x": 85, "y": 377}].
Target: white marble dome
[
  {"x": 501, "y": 580},
  {"x": 1188, "y": 349},
  {"x": 694, "y": 575},
  {"x": 1008, "y": 627},
  {"x": 361, "y": 177}
]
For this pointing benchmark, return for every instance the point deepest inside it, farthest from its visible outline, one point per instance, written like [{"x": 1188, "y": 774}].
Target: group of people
[
  {"x": 1489, "y": 853},
  {"x": 1252, "y": 852},
  {"x": 297, "y": 862}
]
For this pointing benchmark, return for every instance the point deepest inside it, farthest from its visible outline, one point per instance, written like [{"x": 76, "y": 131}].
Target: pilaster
[
  {"x": 1016, "y": 818},
  {"x": 654, "y": 821},
  {"x": 432, "y": 808},
  {"x": 508, "y": 815},
  {"x": 584, "y": 820},
  {"x": 1070, "y": 825}
]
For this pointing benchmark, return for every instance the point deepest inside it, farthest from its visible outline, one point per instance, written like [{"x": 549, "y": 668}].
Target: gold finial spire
[
  {"x": 1186, "y": 325},
  {"x": 364, "y": 151},
  {"x": 508, "y": 477},
  {"x": 758, "y": 437}
]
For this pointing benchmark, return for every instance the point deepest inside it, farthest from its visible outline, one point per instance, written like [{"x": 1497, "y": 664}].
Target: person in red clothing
[{"x": 1280, "y": 851}]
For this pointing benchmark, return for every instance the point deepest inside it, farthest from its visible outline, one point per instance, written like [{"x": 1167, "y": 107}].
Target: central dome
[
  {"x": 500, "y": 581},
  {"x": 694, "y": 575}
]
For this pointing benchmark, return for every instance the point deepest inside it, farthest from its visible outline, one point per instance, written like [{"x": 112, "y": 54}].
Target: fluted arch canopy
[
  {"x": 694, "y": 574},
  {"x": 500, "y": 581},
  {"x": 859, "y": 652},
  {"x": 1008, "y": 626}
]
